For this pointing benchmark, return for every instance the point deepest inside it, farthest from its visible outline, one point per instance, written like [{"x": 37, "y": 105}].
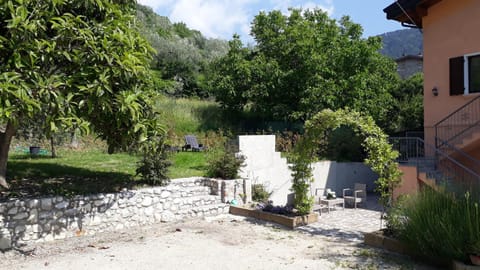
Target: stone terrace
[{"x": 349, "y": 224}]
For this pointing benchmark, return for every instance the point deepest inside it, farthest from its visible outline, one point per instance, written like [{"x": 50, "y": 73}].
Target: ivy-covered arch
[{"x": 380, "y": 155}]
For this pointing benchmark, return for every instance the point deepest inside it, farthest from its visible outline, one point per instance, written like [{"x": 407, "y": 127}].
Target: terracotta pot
[{"x": 475, "y": 259}]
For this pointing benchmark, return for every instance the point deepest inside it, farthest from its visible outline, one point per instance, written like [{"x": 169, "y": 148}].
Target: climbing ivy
[{"x": 380, "y": 155}]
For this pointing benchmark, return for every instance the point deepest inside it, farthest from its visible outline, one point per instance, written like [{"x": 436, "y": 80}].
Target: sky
[{"x": 223, "y": 18}]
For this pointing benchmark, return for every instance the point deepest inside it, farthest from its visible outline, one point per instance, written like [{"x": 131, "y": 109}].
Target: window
[
  {"x": 465, "y": 74},
  {"x": 473, "y": 81}
]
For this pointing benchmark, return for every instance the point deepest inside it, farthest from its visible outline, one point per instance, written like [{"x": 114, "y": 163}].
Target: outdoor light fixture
[{"x": 435, "y": 91}]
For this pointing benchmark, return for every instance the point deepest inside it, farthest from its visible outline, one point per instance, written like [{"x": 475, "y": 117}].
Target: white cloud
[
  {"x": 214, "y": 18},
  {"x": 223, "y": 18},
  {"x": 156, "y": 3}
]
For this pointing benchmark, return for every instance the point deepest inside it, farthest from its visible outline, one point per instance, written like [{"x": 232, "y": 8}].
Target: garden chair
[
  {"x": 356, "y": 196},
  {"x": 192, "y": 144},
  {"x": 318, "y": 197}
]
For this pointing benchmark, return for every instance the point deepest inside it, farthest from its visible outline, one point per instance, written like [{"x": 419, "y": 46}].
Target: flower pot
[{"x": 475, "y": 259}]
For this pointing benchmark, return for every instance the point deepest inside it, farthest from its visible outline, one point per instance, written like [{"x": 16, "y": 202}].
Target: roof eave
[{"x": 411, "y": 13}]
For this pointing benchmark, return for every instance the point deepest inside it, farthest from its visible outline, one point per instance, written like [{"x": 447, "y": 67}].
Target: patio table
[{"x": 333, "y": 203}]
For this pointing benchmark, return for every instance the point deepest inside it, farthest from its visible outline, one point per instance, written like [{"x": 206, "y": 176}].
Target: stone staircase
[
  {"x": 436, "y": 169},
  {"x": 428, "y": 172},
  {"x": 196, "y": 198}
]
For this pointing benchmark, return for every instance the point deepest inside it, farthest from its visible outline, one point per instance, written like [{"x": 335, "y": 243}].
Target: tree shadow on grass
[{"x": 33, "y": 180}]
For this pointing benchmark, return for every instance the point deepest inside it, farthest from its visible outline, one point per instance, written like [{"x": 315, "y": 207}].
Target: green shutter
[{"x": 456, "y": 76}]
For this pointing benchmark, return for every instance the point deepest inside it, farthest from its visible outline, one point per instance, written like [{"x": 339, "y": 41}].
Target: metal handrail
[
  {"x": 452, "y": 149},
  {"x": 458, "y": 135},
  {"x": 446, "y": 129},
  {"x": 456, "y": 111}
]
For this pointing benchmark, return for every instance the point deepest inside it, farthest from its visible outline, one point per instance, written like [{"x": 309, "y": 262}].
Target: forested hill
[
  {"x": 182, "y": 53},
  {"x": 402, "y": 42}
]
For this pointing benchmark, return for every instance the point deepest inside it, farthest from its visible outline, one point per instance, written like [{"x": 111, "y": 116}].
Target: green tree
[
  {"x": 305, "y": 62},
  {"x": 408, "y": 106},
  {"x": 81, "y": 63},
  {"x": 231, "y": 76}
]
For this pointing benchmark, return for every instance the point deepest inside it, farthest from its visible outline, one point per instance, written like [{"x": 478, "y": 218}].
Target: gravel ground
[{"x": 225, "y": 242}]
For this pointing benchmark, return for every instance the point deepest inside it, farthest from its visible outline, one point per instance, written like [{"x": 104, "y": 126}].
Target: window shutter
[{"x": 456, "y": 76}]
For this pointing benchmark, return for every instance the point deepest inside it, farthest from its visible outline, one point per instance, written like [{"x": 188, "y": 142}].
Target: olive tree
[{"x": 81, "y": 63}]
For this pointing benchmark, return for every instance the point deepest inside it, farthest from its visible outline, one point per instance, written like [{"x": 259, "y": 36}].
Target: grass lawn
[{"x": 84, "y": 172}]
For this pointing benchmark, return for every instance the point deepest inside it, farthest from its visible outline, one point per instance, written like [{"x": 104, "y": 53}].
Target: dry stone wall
[{"x": 46, "y": 219}]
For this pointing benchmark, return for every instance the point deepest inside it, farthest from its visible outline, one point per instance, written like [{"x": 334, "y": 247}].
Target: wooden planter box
[
  {"x": 377, "y": 239},
  {"x": 456, "y": 265},
  {"x": 290, "y": 222}
]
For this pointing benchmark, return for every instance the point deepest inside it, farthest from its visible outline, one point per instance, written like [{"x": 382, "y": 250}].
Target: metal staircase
[
  {"x": 440, "y": 164},
  {"x": 435, "y": 169}
]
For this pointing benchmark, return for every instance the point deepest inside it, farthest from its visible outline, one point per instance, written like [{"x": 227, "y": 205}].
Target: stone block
[
  {"x": 13, "y": 211},
  {"x": 46, "y": 204},
  {"x": 19, "y": 203},
  {"x": 45, "y": 215},
  {"x": 71, "y": 212},
  {"x": 61, "y": 205},
  {"x": 167, "y": 205},
  {"x": 33, "y": 216},
  {"x": 34, "y": 203},
  {"x": 5, "y": 243},
  {"x": 20, "y": 229},
  {"x": 36, "y": 228},
  {"x": 49, "y": 237},
  {"x": 98, "y": 203},
  {"x": 19, "y": 216},
  {"x": 165, "y": 194},
  {"x": 149, "y": 211},
  {"x": 147, "y": 201},
  {"x": 167, "y": 216}
]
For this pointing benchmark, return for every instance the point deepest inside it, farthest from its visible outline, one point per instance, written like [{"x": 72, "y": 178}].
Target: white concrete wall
[
  {"x": 340, "y": 175},
  {"x": 264, "y": 165}
]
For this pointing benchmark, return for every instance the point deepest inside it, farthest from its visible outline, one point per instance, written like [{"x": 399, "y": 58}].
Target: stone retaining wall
[{"x": 46, "y": 219}]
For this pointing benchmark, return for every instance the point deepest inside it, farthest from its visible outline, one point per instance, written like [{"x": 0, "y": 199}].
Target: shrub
[
  {"x": 223, "y": 163},
  {"x": 441, "y": 225},
  {"x": 286, "y": 140},
  {"x": 260, "y": 193},
  {"x": 153, "y": 167}
]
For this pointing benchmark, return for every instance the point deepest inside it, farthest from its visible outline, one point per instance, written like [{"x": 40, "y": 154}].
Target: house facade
[
  {"x": 409, "y": 65},
  {"x": 451, "y": 66}
]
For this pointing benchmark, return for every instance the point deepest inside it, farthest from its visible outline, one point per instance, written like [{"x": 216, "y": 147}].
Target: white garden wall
[{"x": 265, "y": 165}]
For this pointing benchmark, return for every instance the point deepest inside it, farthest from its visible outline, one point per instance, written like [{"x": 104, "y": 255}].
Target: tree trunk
[
  {"x": 5, "y": 140},
  {"x": 74, "y": 140},
  {"x": 52, "y": 146}
]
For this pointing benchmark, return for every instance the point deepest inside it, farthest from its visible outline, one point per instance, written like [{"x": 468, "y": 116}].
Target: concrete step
[
  {"x": 472, "y": 138},
  {"x": 205, "y": 210},
  {"x": 194, "y": 191},
  {"x": 188, "y": 182},
  {"x": 197, "y": 201},
  {"x": 436, "y": 178}
]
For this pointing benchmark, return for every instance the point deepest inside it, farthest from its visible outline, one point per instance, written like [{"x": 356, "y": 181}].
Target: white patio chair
[{"x": 356, "y": 196}]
